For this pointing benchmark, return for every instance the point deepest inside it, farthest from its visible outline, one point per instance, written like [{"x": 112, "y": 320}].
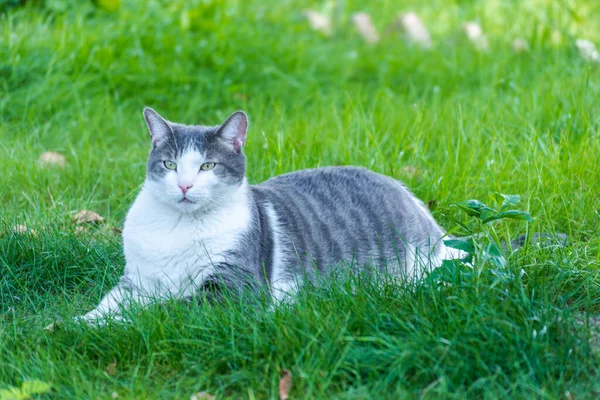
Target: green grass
[{"x": 469, "y": 123}]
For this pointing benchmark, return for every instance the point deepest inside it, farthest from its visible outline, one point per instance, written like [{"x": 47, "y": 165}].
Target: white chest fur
[{"x": 167, "y": 251}]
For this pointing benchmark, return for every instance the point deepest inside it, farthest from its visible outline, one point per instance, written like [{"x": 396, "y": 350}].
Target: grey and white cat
[{"x": 198, "y": 224}]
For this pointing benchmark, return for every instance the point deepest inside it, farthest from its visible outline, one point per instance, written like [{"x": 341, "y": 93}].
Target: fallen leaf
[
  {"x": 569, "y": 396},
  {"x": 318, "y": 22},
  {"x": 86, "y": 216},
  {"x": 80, "y": 230},
  {"x": 414, "y": 29},
  {"x": 285, "y": 384},
  {"x": 53, "y": 327},
  {"x": 520, "y": 45},
  {"x": 111, "y": 368},
  {"x": 202, "y": 396},
  {"x": 50, "y": 158},
  {"x": 475, "y": 35},
  {"x": 363, "y": 23},
  {"x": 587, "y": 50},
  {"x": 23, "y": 229}
]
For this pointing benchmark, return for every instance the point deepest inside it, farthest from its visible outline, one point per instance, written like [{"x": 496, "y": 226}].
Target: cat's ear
[
  {"x": 234, "y": 130},
  {"x": 157, "y": 125}
]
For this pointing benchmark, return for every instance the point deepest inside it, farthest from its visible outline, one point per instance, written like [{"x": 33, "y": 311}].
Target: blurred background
[{"x": 457, "y": 118}]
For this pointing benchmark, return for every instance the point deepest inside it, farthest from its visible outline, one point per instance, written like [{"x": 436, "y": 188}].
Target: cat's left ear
[{"x": 234, "y": 130}]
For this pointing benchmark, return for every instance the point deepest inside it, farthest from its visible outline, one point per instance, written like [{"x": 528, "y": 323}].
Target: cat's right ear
[{"x": 157, "y": 125}]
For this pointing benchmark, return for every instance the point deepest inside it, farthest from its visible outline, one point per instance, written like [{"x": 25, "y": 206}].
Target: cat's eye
[
  {"x": 207, "y": 166},
  {"x": 170, "y": 165}
]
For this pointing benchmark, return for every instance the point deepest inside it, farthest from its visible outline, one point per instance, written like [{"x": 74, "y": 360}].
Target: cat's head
[{"x": 195, "y": 168}]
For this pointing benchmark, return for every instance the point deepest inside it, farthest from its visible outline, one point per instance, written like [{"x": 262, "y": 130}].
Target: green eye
[
  {"x": 170, "y": 165},
  {"x": 207, "y": 166}
]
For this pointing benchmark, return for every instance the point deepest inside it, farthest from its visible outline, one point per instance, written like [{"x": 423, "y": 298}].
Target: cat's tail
[{"x": 537, "y": 239}]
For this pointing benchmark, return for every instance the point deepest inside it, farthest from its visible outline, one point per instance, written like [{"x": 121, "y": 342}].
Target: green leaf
[
  {"x": 451, "y": 271},
  {"x": 488, "y": 214},
  {"x": 516, "y": 214},
  {"x": 35, "y": 387},
  {"x": 26, "y": 391},
  {"x": 12, "y": 393},
  {"x": 510, "y": 214},
  {"x": 508, "y": 200},
  {"x": 474, "y": 208},
  {"x": 493, "y": 255},
  {"x": 464, "y": 244}
]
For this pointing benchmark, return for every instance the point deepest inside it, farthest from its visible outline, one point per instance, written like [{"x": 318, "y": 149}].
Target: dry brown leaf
[
  {"x": 415, "y": 29},
  {"x": 53, "y": 327},
  {"x": 319, "y": 22},
  {"x": 587, "y": 50},
  {"x": 80, "y": 229},
  {"x": 86, "y": 216},
  {"x": 23, "y": 229},
  {"x": 202, "y": 396},
  {"x": 475, "y": 35},
  {"x": 285, "y": 384},
  {"x": 50, "y": 158},
  {"x": 520, "y": 45},
  {"x": 364, "y": 25},
  {"x": 569, "y": 395},
  {"x": 111, "y": 368}
]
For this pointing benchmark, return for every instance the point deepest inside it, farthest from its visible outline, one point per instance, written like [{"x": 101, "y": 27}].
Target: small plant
[
  {"x": 482, "y": 245},
  {"x": 27, "y": 390}
]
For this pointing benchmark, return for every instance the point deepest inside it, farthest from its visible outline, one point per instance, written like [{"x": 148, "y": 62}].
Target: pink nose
[{"x": 184, "y": 189}]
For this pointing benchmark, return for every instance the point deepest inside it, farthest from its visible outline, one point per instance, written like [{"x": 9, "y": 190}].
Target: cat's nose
[{"x": 184, "y": 188}]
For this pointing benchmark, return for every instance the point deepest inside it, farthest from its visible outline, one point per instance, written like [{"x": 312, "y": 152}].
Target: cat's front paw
[
  {"x": 95, "y": 321},
  {"x": 98, "y": 320}
]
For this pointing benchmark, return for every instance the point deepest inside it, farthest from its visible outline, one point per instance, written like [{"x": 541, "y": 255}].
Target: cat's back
[
  {"x": 327, "y": 177},
  {"x": 337, "y": 213},
  {"x": 337, "y": 186}
]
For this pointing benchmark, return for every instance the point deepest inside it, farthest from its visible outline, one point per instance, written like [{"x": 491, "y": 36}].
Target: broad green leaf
[
  {"x": 474, "y": 208},
  {"x": 510, "y": 214},
  {"x": 487, "y": 214},
  {"x": 493, "y": 255},
  {"x": 508, "y": 200},
  {"x": 516, "y": 214},
  {"x": 35, "y": 387},
  {"x": 26, "y": 391},
  {"x": 11, "y": 393},
  {"x": 464, "y": 244}
]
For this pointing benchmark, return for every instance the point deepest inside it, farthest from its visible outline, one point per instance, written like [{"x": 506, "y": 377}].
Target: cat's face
[{"x": 194, "y": 169}]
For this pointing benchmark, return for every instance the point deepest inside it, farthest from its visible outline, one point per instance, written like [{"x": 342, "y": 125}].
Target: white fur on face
[{"x": 205, "y": 191}]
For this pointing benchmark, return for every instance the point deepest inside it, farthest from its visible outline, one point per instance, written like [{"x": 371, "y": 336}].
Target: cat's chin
[
  {"x": 183, "y": 206},
  {"x": 187, "y": 206}
]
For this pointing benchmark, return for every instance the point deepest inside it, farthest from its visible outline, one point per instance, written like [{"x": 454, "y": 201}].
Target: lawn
[{"x": 453, "y": 123}]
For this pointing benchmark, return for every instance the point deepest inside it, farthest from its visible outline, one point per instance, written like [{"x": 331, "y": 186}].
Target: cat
[{"x": 197, "y": 224}]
